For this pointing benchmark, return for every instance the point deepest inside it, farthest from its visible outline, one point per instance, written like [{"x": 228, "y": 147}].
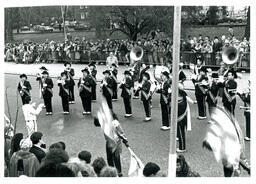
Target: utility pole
[{"x": 174, "y": 101}]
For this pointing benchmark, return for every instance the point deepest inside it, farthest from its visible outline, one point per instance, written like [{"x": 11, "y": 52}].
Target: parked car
[
  {"x": 24, "y": 28},
  {"x": 82, "y": 27}
]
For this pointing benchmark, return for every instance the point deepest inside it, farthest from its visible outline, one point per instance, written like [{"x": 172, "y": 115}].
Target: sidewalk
[{"x": 56, "y": 69}]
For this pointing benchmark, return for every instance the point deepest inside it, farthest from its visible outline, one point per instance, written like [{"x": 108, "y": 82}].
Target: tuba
[
  {"x": 136, "y": 53},
  {"x": 230, "y": 55}
]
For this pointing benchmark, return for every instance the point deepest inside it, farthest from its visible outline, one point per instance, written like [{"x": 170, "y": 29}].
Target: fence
[{"x": 152, "y": 58}]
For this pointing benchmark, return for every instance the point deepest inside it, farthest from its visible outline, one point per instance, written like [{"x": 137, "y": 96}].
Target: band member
[
  {"x": 182, "y": 119},
  {"x": 107, "y": 86},
  {"x": 30, "y": 114},
  {"x": 229, "y": 95},
  {"x": 70, "y": 74},
  {"x": 201, "y": 83},
  {"x": 114, "y": 150},
  {"x": 165, "y": 100},
  {"x": 47, "y": 85},
  {"x": 198, "y": 66},
  {"x": 145, "y": 92},
  {"x": 182, "y": 76},
  {"x": 126, "y": 86},
  {"x": 24, "y": 87},
  {"x": 144, "y": 68},
  {"x": 114, "y": 76},
  {"x": 93, "y": 73},
  {"x": 246, "y": 97},
  {"x": 213, "y": 91},
  {"x": 63, "y": 84},
  {"x": 85, "y": 90}
]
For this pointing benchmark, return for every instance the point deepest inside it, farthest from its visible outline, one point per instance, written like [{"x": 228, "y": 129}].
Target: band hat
[
  {"x": 63, "y": 73},
  {"x": 147, "y": 75},
  {"x": 45, "y": 72},
  {"x": 85, "y": 70},
  {"x": 107, "y": 71},
  {"x": 126, "y": 72},
  {"x": 67, "y": 63},
  {"x": 23, "y": 75},
  {"x": 92, "y": 64},
  {"x": 166, "y": 73},
  {"x": 43, "y": 68}
]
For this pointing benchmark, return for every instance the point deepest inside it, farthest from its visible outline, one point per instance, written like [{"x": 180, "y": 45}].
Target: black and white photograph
[{"x": 127, "y": 91}]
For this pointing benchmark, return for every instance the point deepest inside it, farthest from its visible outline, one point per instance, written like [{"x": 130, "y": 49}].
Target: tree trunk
[
  {"x": 247, "y": 28},
  {"x": 8, "y": 25}
]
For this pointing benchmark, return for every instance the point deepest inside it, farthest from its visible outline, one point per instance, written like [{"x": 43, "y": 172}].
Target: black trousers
[
  {"x": 65, "y": 104},
  {"x": 114, "y": 93},
  {"x": 165, "y": 108},
  {"x": 71, "y": 94},
  {"x": 146, "y": 104},
  {"x": 48, "y": 104},
  {"x": 228, "y": 171},
  {"x": 87, "y": 103},
  {"x": 113, "y": 159},
  {"x": 109, "y": 101},
  {"x": 181, "y": 134},
  {"x": 93, "y": 92},
  {"x": 230, "y": 107},
  {"x": 201, "y": 105},
  {"x": 127, "y": 105},
  {"x": 23, "y": 99},
  {"x": 248, "y": 125}
]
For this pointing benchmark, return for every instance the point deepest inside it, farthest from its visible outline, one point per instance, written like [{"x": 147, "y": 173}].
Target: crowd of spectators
[
  {"x": 156, "y": 51},
  {"x": 32, "y": 158}
]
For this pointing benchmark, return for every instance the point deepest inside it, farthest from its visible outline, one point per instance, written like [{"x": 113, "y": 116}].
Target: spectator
[
  {"x": 23, "y": 162},
  {"x": 56, "y": 156},
  {"x": 98, "y": 164},
  {"x": 15, "y": 143},
  {"x": 183, "y": 169},
  {"x": 85, "y": 156},
  {"x": 54, "y": 170},
  {"x": 108, "y": 172},
  {"x": 38, "y": 146},
  {"x": 111, "y": 59},
  {"x": 151, "y": 169}
]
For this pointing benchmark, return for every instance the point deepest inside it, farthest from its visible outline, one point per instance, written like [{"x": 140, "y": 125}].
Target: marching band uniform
[
  {"x": 85, "y": 85},
  {"x": 63, "y": 84},
  {"x": 93, "y": 76},
  {"x": 24, "y": 87},
  {"x": 107, "y": 86},
  {"x": 126, "y": 93},
  {"x": 200, "y": 93},
  {"x": 47, "y": 85},
  {"x": 229, "y": 95},
  {"x": 114, "y": 76},
  {"x": 246, "y": 97},
  {"x": 182, "y": 120},
  {"x": 145, "y": 92},
  {"x": 70, "y": 74},
  {"x": 165, "y": 102},
  {"x": 212, "y": 94}
]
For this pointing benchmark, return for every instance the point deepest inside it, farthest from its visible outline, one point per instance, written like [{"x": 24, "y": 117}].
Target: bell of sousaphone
[
  {"x": 136, "y": 53},
  {"x": 230, "y": 55}
]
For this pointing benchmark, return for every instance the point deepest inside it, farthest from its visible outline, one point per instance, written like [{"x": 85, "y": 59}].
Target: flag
[
  {"x": 224, "y": 137},
  {"x": 105, "y": 118},
  {"x": 136, "y": 165}
]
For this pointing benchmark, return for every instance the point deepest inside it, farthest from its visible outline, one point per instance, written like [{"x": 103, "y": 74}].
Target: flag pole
[{"x": 175, "y": 80}]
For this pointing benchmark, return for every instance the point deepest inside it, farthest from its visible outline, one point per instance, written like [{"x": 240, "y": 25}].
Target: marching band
[{"x": 207, "y": 85}]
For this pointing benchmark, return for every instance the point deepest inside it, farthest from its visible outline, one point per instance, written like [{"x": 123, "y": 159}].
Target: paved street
[{"x": 146, "y": 139}]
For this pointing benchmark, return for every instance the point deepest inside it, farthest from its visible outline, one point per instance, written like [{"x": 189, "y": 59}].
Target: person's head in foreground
[
  {"x": 183, "y": 169},
  {"x": 85, "y": 156},
  {"x": 151, "y": 169},
  {"x": 98, "y": 164},
  {"x": 54, "y": 170},
  {"x": 108, "y": 172}
]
